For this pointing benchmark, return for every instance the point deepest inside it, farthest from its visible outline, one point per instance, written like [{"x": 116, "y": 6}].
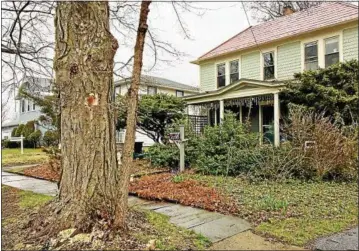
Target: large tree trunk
[
  {"x": 84, "y": 59},
  {"x": 127, "y": 155}
]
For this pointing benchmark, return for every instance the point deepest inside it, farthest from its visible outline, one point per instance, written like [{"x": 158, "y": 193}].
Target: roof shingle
[{"x": 324, "y": 15}]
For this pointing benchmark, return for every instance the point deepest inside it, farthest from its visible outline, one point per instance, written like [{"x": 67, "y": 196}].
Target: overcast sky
[{"x": 219, "y": 22}]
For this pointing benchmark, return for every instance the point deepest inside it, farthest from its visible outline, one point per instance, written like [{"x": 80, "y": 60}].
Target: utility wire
[{"x": 250, "y": 27}]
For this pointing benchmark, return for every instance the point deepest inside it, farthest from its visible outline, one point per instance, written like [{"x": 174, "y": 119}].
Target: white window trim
[
  {"x": 25, "y": 106},
  {"x": 339, "y": 47},
  {"x": 317, "y": 41},
  {"x": 216, "y": 72},
  {"x": 321, "y": 47},
  {"x": 181, "y": 92},
  {"x": 229, "y": 68},
  {"x": 155, "y": 87},
  {"x": 261, "y": 62}
]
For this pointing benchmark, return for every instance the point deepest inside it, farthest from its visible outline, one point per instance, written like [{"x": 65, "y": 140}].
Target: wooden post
[
  {"x": 221, "y": 110},
  {"x": 260, "y": 124},
  {"x": 276, "y": 120},
  {"x": 240, "y": 114},
  {"x": 22, "y": 144},
  {"x": 181, "y": 147}
]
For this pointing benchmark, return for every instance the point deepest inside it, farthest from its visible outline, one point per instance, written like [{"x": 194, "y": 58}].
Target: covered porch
[{"x": 251, "y": 100}]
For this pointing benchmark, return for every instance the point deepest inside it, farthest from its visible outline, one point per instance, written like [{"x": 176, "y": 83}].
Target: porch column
[
  {"x": 276, "y": 119},
  {"x": 260, "y": 115},
  {"x": 208, "y": 116},
  {"x": 240, "y": 114},
  {"x": 215, "y": 116},
  {"x": 221, "y": 110}
]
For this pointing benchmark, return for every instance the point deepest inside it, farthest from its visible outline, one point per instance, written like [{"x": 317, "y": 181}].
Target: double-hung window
[
  {"x": 268, "y": 65},
  {"x": 28, "y": 106},
  {"x": 33, "y": 106},
  {"x": 23, "y": 105},
  {"x": 234, "y": 71},
  {"x": 311, "y": 56},
  {"x": 331, "y": 51},
  {"x": 221, "y": 75},
  {"x": 151, "y": 90},
  {"x": 179, "y": 93}
]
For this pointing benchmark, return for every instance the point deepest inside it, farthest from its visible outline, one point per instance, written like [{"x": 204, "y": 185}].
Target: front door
[{"x": 268, "y": 128}]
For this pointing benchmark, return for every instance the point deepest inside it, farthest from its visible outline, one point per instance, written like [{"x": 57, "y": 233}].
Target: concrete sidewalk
[{"x": 214, "y": 226}]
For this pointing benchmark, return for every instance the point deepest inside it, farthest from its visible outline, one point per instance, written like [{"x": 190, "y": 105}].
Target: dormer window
[
  {"x": 331, "y": 51},
  {"x": 221, "y": 75},
  {"x": 234, "y": 71},
  {"x": 268, "y": 63}
]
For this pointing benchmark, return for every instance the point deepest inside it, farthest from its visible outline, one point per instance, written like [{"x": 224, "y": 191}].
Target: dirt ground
[
  {"x": 144, "y": 228},
  {"x": 250, "y": 241}
]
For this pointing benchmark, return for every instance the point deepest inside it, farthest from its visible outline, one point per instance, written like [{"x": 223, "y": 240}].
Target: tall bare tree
[
  {"x": 269, "y": 10},
  {"x": 83, "y": 63},
  {"x": 127, "y": 155}
]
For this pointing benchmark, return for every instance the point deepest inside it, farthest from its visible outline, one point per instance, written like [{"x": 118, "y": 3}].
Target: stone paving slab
[
  {"x": 347, "y": 240},
  {"x": 196, "y": 219},
  {"x": 222, "y": 228},
  {"x": 175, "y": 210},
  {"x": 29, "y": 184},
  {"x": 156, "y": 205}
]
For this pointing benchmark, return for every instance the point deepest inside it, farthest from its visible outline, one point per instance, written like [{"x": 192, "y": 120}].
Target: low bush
[
  {"x": 51, "y": 138},
  {"x": 10, "y": 144},
  {"x": 231, "y": 149},
  {"x": 164, "y": 155},
  {"x": 226, "y": 149}
]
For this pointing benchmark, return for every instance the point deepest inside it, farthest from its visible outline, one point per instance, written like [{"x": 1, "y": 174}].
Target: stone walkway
[
  {"x": 347, "y": 240},
  {"x": 28, "y": 183},
  {"x": 214, "y": 226}
]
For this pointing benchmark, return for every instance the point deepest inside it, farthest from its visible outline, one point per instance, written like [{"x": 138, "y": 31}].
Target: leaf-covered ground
[
  {"x": 144, "y": 228},
  {"x": 13, "y": 157},
  {"x": 44, "y": 171},
  {"x": 176, "y": 188},
  {"x": 294, "y": 212}
]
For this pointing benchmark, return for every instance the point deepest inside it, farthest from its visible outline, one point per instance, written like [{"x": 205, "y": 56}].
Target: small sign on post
[
  {"x": 179, "y": 140},
  {"x": 17, "y": 139}
]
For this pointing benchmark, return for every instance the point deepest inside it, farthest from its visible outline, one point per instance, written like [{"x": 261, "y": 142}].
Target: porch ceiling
[{"x": 242, "y": 88}]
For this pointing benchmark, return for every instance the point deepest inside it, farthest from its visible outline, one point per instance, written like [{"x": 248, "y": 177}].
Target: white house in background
[
  {"x": 25, "y": 109},
  {"x": 149, "y": 86}
]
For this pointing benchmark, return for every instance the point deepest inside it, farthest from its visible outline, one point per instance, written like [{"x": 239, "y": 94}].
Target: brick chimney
[{"x": 287, "y": 10}]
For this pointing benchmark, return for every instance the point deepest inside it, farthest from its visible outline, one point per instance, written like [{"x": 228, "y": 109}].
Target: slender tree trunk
[
  {"x": 84, "y": 59},
  {"x": 127, "y": 155}
]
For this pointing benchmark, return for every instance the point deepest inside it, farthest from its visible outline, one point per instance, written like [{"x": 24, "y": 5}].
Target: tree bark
[
  {"x": 84, "y": 60},
  {"x": 127, "y": 155}
]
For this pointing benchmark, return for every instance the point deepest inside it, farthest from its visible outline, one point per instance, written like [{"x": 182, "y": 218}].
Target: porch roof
[{"x": 242, "y": 88}]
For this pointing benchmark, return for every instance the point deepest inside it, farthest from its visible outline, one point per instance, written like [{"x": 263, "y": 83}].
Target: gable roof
[
  {"x": 36, "y": 86},
  {"x": 273, "y": 83},
  {"x": 317, "y": 17},
  {"x": 159, "y": 82}
]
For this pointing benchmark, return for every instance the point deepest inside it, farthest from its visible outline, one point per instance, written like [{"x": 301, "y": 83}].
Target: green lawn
[
  {"x": 12, "y": 157},
  {"x": 294, "y": 212}
]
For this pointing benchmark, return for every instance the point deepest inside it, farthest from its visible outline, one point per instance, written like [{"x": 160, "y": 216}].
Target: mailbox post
[
  {"x": 179, "y": 140},
  {"x": 181, "y": 148}
]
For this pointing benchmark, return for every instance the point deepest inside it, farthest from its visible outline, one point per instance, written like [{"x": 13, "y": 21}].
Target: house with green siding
[{"x": 246, "y": 73}]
